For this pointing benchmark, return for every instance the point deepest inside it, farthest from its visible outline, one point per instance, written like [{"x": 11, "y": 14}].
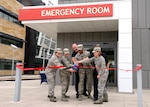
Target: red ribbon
[
  {"x": 57, "y": 67},
  {"x": 37, "y": 68},
  {"x": 135, "y": 69}
]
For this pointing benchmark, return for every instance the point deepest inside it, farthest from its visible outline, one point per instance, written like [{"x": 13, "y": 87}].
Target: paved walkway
[
  {"x": 24, "y": 77},
  {"x": 35, "y": 95}
]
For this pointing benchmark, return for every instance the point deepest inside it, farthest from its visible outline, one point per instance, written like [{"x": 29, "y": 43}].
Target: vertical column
[{"x": 125, "y": 80}]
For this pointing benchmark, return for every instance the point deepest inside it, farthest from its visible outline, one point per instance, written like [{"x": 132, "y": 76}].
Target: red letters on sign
[{"x": 63, "y": 12}]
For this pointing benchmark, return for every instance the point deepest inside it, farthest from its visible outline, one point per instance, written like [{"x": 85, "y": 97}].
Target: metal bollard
[
  {"x": 18, "y": 83},
  {"x": 139, "y": 86}
]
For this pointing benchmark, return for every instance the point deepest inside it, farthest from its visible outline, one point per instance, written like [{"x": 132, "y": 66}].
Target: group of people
[{"x": 87, "y": 65}]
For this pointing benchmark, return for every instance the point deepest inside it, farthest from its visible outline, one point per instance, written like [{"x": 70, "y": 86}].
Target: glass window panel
[
  {"x": 6, "y": 16},
  {"x": 47, "y": 41},
  {"x": 51, "y": 52},
  {"x": 15, "y": 20},
  {"x": 53, "y": 45},
  {"x": 1, "y": 14},
  {"x": 10, "y": 41},
  {"x": 6, "y": 64},
  {"x": 44, "y": 52},
  {"x": 37, "y": 50},
  {"x": 37, "y": 37},
  {"x": 11, "y": 19}
]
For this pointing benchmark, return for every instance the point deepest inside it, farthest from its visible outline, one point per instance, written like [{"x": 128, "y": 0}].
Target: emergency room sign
[{"x": 64, "y": 12}]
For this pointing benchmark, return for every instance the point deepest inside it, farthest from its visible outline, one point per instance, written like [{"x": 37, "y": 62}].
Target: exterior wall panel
[
  {"x": 67, "y": 39},
  {"x": 135, "y": 23},
  {"x": 141, "y": 38},
  {"x": 149, "y": 55},
  {"x": 80, "y": 1},
  {"x": 89, "y": 37},
  {"x": 148, "y": 13},
  {"x": 148, "y": 79},
  {"x": 60, "y": 39},
  {"x": 76, "y": 36},
  {"x": 97, "y": 36},
  {"x": 142, "y": 13},
  {"x": 105, "y": 36},
  {"x": 84, "y": 37},
  {"x": 113, "y": 37},
  {"x": 145, "y": 49},
  {"x": 145, "y": 79},
  {"x": 136, "y": 52}
]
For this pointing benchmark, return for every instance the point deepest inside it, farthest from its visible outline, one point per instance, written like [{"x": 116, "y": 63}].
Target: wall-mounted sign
[{"x": 63, "y": 12}]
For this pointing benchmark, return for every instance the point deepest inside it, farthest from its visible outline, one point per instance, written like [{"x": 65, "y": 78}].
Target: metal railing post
[
  {"x": 139, "y": 86},
  {"x": 18, "y": 83}
]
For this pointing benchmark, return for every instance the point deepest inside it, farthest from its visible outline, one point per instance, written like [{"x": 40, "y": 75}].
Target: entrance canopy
[{"x": 95, "y": 17}]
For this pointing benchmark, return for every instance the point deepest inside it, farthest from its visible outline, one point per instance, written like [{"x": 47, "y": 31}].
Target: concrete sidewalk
[
  {"x": 24, "y": 77},
  {"x": 35, "y": 95}
]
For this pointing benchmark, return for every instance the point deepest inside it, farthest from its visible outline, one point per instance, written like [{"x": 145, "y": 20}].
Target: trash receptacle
[{"x": 43, "y": 76}]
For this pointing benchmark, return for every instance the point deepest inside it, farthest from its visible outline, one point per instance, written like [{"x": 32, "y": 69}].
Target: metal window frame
[{"x": 41, "y": 40}]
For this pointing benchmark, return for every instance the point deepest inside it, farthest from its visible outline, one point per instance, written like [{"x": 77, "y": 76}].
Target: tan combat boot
[
  {"x": 80, "y": 97},
  {"x": 67, "y": 96},
  {"x": 52, "y": 99},
  {"x": 89, "y": 96},
  {"x": 99, "y": 101},
  {"x": 49, "y": 96},
  {"x": 105, "y": 97},
  {"x": 63, "y": 98}
]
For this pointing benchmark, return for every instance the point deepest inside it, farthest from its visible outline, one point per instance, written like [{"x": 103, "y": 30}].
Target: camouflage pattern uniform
[
  {"x": 51, "y": 74},
  {"x": 65, "y": 75},
  {"x": 100, "y": 63},
  {"x": 101, "y": 69},
  {"x": 82, "y": 72}
]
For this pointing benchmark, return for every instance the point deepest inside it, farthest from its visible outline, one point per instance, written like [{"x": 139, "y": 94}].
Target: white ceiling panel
[
  {"x": 111, "y": 25},
  {"x": 52, "y": 28},
  {"x": 99, "y": 25},
  {"x": 87, "y": 26}
]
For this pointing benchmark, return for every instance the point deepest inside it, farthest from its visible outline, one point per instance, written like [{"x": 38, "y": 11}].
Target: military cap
[
  {"x": 80, "y": 47},
  {"x": 97, "y": 45},
  {"x": 96, "y": 49},
  {"x": 59, "y": 50},
  {"x": 66, "y": 51}
]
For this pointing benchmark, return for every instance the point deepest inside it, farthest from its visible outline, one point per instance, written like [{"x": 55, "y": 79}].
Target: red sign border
[{"x": 35, "y": 13}]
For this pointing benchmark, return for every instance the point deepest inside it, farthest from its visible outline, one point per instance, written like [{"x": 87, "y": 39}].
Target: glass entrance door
[
  {"x": 110, "y": 49},
  {"x": 112, "y": 77}
]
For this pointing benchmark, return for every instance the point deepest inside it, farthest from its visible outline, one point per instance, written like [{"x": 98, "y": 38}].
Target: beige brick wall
[
  {"x": 7, "y": 52},
  {"x": 11, "y": 29},
  {"x": 11, "y": 5},
  {"x": 7, "y": 72}
]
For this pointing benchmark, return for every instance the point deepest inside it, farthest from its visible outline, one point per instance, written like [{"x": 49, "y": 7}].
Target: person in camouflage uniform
[
  {"x": 95, "y": 73},
  {"x": 65, "y": 74},
  {"x": 84, "y": 72},
  {"x": 75, "y": 51},
  {"x": 100, "y": 65},
  {"x": 51, "y": 72}
]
